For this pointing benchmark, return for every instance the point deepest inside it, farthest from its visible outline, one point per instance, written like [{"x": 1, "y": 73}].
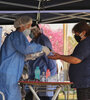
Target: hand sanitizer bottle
[
  {"x": 43, "y": 77},
  {"x": 37, "y": 73},
  {"x": 47, "y": 74}
]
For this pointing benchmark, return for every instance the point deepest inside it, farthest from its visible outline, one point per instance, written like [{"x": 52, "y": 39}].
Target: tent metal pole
[
  {"x": 65, "y": 48},
  {"x": 64, "y": 15},
  {"x": 64, "y": 3},
  {"x": 38, "y": 14},
  {"x": 69, "y": 17},
  {"x": 46, "y": 11},
  {"x": 17, "y": 4},
  {"x": 7, "y": 18}
]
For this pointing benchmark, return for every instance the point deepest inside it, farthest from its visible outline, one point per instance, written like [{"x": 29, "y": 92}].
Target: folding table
[{"x": 38, "y": 83}]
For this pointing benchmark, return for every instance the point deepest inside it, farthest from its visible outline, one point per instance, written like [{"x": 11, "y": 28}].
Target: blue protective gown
[
  {"x": 12, "y": 54},
  {"x": 43, "y": 62}
]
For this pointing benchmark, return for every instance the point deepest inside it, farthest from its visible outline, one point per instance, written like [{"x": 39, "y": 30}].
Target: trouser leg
[{"x": 83, "y": 94}]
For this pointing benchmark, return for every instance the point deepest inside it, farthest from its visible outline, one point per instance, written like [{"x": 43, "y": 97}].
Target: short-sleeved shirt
[{"x": 80, "y": 73}]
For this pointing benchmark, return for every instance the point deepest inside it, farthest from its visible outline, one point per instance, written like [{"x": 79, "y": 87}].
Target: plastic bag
[{"x": 34, "y": 56}]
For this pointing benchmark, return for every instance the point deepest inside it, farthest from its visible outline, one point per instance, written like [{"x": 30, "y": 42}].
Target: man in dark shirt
[{"x": 79, "y": 70}]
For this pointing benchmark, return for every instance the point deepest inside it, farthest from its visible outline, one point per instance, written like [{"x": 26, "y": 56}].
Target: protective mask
[
  {"x": 31, "y": 35},
  {"x": 26, "y": 32},
  {"x": 77, "y": 38}
]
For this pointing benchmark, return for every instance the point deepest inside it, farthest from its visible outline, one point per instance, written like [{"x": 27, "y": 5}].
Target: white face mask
[{"x": 26, "y": 32}]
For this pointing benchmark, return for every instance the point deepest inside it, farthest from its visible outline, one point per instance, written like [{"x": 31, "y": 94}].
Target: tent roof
[{"x": 45, "y": 11}]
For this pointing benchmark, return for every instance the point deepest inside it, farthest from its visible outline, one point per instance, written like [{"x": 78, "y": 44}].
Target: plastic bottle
[
  {"x": 61, "y": 75},
  {"x": 47, "y": 73},
  {"x": 37, "y": 73},
  {"x": 43, "y": 77}
]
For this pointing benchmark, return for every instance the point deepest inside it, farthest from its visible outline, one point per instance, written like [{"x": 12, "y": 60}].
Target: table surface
[{"x": 45, "y": 83}]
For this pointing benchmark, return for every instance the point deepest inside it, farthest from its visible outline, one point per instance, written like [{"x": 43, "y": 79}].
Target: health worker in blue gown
[
  {"x": 12, "y": 55},
  {"x": 43, "y": 62}
]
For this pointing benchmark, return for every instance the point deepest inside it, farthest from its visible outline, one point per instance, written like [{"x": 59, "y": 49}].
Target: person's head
[
  {"x": 35, "y": 31},
  {"x": 23, "y": 22},
  {"x": 81, "y": 31}
]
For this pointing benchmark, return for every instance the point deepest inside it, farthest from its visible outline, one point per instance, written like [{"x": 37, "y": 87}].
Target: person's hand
[
  {"x": 54, "y": 56},
  {"x": 46, "y": 50}
]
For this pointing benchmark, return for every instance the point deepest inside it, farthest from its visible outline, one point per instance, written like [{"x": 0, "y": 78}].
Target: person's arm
[
  {"x": 21, "y": 44},
  {"x": 80, "y": 53},
  {"x": 69, "y": 59}
]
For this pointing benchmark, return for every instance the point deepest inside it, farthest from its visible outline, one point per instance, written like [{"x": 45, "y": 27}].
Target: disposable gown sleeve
[
  {"x": 21, "y": 44},
  {"x": 46, "y": 42}
]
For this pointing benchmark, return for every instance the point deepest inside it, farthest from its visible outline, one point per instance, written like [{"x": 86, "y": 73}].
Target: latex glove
[{"x": 46, "y": 50}]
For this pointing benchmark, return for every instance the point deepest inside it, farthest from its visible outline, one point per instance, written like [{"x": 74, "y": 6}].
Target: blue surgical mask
[
  {"x": 26, "y": 32},
  {"x": 31, "y": 35}
]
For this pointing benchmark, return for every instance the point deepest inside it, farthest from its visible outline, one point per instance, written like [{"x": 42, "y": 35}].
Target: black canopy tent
[{"x": 45, "y": 11}]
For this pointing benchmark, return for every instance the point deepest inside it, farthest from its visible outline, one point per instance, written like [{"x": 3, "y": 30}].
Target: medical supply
[
  {"x": 31, "y": 35},
  {"x": 43, "y": 77},
  {"x": 37, "y": 73},
  {"x": 27, "y": 32},
  {"x": 34, "y": 56},
  {"x": 47, "y": 73},
  {"x": 53, "y": 78}
]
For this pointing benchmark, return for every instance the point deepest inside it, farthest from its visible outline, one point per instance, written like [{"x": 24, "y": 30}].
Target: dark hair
[
  {"x": 18, "y": 28},
  {"x": 34, "y": 24},
  {"x": 80, "y": 27}
]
